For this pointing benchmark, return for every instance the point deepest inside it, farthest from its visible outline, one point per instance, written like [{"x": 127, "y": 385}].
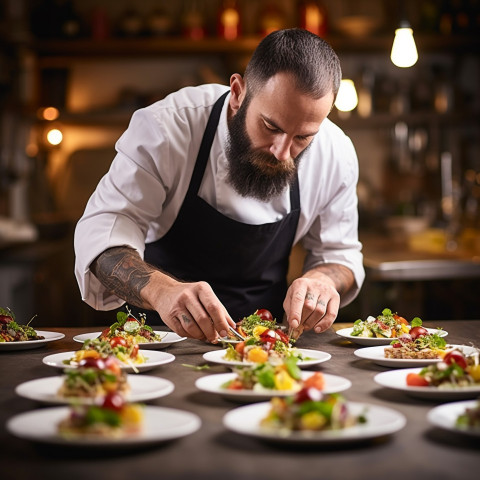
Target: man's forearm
[
  {"x": 341, "y": 276},
  {"x": 122, "y": 271}
]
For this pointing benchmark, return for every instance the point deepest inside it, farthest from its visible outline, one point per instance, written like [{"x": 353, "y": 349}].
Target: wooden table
[{"x": 419, "y": 451}]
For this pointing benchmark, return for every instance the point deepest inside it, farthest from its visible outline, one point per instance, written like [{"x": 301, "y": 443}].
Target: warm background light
[
  {"x": 404, "y": 51},
  {"x": 48, "y": 113},
  {"x": 54, "y": 136},
  {"x": 347, "y": 98}
]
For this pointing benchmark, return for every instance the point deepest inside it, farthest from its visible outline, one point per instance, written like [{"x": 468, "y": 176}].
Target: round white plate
[
  {"x": 28, "y": 344},
  {"x": 377, "y": 355},
  {"x": 314, "y": 357},
  {"x": 142, "y": 388},
  {"x": 445, "y": 416},
  {"x": 347, "y": 333},
  {"x": 153, "y": 359},
  {"x": 213, "y": 384},
  {"x": 168, "y": 338},
  {"x": 160, "y": 424},
  {"x": 396, "y": 379},
  {"x": 380, "y": 421}
]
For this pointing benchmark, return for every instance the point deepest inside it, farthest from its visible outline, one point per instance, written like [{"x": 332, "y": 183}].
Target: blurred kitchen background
[{"x": 73, "y": 72}]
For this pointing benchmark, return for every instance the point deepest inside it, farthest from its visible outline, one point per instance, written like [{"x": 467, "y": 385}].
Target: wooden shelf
[{"x": 145, "y": 47}]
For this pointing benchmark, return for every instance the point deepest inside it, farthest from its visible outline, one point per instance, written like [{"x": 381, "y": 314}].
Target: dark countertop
[{"x": 418, "y": 451}]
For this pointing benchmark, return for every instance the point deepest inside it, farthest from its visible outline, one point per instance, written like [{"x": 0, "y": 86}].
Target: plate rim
[
  {"x": 168, "y": 387},
  {"x": 301, "y": 363},
  {"x": 324, "y": 437},
  {"x": 397, "y": 362},
  {"x": 141, "y": 367},
  {"x": 375, "y": 341},
  {"x": 60, "y": 412},
  {"x": 426, "y": 392},
  {"x": 433, "y": 414},
  {"x": 250, "y": 394},
  {"x": 26, "y": 344}
]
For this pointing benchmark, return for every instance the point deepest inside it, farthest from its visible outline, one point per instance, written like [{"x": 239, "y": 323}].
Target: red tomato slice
[
  {"x": 455, "y": 357},
  {"x": 416, "y": 380},
  {"x": 116, "y": 341}
]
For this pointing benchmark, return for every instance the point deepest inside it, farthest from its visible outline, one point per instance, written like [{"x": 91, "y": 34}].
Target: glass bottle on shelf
[
  {"x": 229, "y": 25},
  {"x": 272, "y": 18},
  {"x": 193, "y": 21},
  {"x": 313, "y": 17}
]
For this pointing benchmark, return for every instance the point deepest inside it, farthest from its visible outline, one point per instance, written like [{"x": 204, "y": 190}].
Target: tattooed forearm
[
  {"x": 122, "y": 271},
  {"x": 341, "y": 275}
]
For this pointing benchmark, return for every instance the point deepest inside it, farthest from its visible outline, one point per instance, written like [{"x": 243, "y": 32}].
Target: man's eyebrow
[{"x": 273, "y": 124}]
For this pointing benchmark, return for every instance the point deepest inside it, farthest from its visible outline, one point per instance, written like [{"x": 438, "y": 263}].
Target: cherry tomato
[
  {"x": 118, "y": 341},
  {"x": 416, "y": 380},
  {"x": 113, "y": 401},
  {"x": 416, "y": 332},
  {"x": 265, "y": 314},
  {"x": 455, "y": 357},
  {"x": 317, "y": 380},
  {"x": 90, "y": 362}
]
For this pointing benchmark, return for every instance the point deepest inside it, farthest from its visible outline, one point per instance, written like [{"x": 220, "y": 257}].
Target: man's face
[{"x": 269, "y": 134}]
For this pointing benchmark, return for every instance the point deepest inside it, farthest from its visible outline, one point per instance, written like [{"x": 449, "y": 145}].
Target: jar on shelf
[{"x": 229, "y": 25}]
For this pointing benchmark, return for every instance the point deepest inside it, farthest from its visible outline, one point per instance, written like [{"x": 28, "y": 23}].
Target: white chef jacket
[{"x": 137, "y": 201}]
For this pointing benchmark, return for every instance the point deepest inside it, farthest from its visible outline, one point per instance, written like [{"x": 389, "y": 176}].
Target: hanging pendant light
[
  {"x": 347, "y": 98},
  {"x": 404, "y": 51}
]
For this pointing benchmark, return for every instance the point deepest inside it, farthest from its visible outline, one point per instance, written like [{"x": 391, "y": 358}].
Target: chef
[{"x": 213, "y": 185}]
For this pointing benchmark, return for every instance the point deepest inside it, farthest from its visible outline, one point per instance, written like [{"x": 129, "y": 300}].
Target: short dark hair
[{"x": 312, "y": 61}]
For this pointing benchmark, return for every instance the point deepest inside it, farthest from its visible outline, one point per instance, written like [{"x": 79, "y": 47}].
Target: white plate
[
  {"x": 168, "y": 338},
  {"x": 49, "y": 337},
  {"x": 142, "y": 388},
  {"x": 347, "y": 333},
  {"x": 380, "y": 421},
  {"x": 377, "y": 355},
  {"x": 396, "y": 379},
  {"x": 445, "y": 416},
  {"x": 213, "y": 384},
  {"x": 153, "y": 359},
  {"x": 160, "y": 424},
  {"x": 316, "y": 356}
]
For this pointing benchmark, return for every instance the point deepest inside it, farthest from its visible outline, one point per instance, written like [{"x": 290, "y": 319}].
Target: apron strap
[{"x": 207, "y": 140}]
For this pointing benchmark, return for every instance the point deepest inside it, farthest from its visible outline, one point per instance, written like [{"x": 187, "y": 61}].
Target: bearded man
[{"x": 213, "y": 185}]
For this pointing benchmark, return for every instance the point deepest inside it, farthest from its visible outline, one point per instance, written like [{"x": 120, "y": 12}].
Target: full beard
[{"x": 253, "y": 173}]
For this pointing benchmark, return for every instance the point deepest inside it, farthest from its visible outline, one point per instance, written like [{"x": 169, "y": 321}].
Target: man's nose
[{"x": 281, "y": 148}]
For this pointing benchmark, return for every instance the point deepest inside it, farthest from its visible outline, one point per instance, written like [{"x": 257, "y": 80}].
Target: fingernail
[
  {"x": 318, "y": 330},
  {"x": 294, "y": 324},
  {"x": 223, "y": 333}
]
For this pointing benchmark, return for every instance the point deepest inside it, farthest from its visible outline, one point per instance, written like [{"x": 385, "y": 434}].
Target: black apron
[{"x": 246, "y": 265}]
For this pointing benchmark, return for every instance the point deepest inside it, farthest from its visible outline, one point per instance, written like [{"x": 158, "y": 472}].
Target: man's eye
[{"x": 271, "y": 127}]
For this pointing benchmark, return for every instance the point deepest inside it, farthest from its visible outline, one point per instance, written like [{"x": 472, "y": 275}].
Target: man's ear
[{"x": 238, "y": 90}]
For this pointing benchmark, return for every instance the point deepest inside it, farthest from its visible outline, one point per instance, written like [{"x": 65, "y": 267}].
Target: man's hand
[
  {"x": 189, "y": 309},
  {"x": 313, "y": 300}
]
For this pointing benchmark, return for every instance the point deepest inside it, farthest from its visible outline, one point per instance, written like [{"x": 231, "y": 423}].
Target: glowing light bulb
[
  {"x": 404, "y": 51},
  {"x": 347, "y": 98},
  {"x": 54, "y": 136}
]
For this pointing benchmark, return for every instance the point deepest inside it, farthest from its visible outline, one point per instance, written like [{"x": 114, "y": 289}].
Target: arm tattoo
[
  {"x": 123, "y": 272},
  {"x": 341, "y": 275}
]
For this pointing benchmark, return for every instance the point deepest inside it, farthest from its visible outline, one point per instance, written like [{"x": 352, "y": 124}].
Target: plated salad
[
  {"x": 455, "y": 370},
  {"x": 263, "y": 345},
  {"x": 125, "y": 350},
  {"x": 262, "y": 317},
  {"x": 310, "y": 410},
  {"x": 418, "y": 343},
  {"x": 113, "y": 418},
  {"x": 94, "y": 377},
  {"x": 266, "y": 377},
  {"x": 131, "y": 329},
  {"x": 11, "y": 331},
  {"x": 470, "y": 418}
]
